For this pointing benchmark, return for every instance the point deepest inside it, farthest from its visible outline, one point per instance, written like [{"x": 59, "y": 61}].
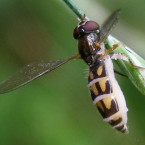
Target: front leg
[{"x": 113, "y": 48}]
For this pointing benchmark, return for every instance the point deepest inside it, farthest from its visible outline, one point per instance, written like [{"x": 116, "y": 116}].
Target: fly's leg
[
  {"x": 119, "y": 73},
  {"x": 83, "y": 18},
  {"x": 121, "y": 55},
  {"x": 113, "y": 48},
  {"x": 125, "y": 58}
]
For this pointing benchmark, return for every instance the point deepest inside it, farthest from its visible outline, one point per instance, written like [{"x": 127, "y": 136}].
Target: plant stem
[{"x": 77, "y": 11}]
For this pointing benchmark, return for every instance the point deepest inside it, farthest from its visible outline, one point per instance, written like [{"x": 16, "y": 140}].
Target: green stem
[
  {"x": 137, "y": 76},
  {"x": 77, "y": 11}
]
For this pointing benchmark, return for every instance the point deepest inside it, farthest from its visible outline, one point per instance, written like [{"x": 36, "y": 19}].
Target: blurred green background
[{"x": 57, "y": 109}]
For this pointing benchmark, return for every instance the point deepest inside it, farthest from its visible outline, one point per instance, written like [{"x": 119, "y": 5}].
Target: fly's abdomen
[{"x": 103, "y": 97}]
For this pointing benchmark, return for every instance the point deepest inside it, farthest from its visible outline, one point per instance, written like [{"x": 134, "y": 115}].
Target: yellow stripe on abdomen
[
  {"x": 107, "y": 106},
  {"x": 107, "y": 95}
]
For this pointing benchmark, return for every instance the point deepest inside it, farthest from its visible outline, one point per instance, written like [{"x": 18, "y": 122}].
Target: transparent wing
[
  {"x": 29, "y": 73},
  {"x": 108, "y": 25}
]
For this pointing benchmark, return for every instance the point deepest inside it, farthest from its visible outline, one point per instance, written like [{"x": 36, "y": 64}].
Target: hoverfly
[{"x": 105, "y": 91}]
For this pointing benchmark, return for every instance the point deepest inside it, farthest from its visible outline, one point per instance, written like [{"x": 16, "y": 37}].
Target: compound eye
[
  {"x": 81, "y": 31},
  {"x": 91, "y": 26},
  {"x": 76, "y": 33}
]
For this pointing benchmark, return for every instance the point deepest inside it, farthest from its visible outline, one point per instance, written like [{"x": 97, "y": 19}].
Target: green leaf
[{"x": 136, "y": 76}]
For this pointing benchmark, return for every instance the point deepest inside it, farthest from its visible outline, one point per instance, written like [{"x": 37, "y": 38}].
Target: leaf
[{"x": 136, "y": 76}]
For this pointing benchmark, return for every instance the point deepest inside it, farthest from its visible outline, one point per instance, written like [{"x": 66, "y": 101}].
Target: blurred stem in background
[{"x": 136, "y": 76}]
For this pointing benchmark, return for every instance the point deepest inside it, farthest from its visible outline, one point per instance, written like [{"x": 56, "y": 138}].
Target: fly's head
[{"x": 85, "y": 27}]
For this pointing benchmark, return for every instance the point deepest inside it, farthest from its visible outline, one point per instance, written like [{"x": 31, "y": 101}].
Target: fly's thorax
[{"x": 89, "y": 49}]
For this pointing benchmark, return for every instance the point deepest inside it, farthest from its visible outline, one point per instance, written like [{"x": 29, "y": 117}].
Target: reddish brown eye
[
  {"x": 76, "y": 33},
  {"x": 91, "y": 26}
]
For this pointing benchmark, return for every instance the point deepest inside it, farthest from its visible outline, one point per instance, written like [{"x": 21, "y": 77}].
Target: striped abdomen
[{"x": 107, "y": 95}]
